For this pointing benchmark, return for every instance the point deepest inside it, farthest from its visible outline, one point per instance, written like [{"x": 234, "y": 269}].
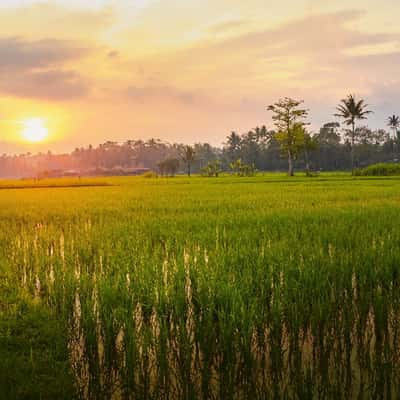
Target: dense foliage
[
  {"x": 382, "y": 169},
  {"x": 329, "y": 150}
]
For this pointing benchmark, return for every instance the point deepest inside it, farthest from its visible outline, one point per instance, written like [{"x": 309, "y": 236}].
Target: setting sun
[{"x": 34, "y": 130}]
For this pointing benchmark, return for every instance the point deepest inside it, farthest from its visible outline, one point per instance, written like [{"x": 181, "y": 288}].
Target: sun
[{"x": 34, "y": 130}]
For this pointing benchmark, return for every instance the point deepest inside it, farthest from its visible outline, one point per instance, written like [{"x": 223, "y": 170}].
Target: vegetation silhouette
[
  {"x": 188, "y": 157},
  {"x": 288, "y": 118},
  {"x": 290, "y": 145},
  {"x": 351, "y": 110}
]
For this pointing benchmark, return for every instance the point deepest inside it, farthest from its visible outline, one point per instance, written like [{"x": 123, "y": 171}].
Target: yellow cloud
[{"x": 183, "y": 71}]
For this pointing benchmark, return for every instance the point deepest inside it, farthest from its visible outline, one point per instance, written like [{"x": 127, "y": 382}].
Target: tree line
[{"x": 289, "y": 145}]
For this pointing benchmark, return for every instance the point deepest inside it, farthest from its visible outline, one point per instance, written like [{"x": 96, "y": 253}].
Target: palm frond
[{"x": 350, "y": 110}]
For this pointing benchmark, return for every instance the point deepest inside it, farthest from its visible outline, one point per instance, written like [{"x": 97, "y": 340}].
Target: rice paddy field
[{"x": 201, "y": 288}]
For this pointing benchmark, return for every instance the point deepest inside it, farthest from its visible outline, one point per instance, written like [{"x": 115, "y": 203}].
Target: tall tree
[
  {"x": 169, "y": 166},
  {"x": 205, "y": 153},
  {"x": 394, "y": 124},
  {"x": 188, "y": 157},
  {"x": 310, "y": 144},
  {"x": 329, "y": 134},
  {"x": 288, "y": 117},
  {"x": 233, "y": 146},
  {"x": 352, "y": 110}
]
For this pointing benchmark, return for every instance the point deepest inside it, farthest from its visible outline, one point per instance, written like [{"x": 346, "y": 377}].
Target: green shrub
[
  {"x": 381, "y": 169},
  {"x": 239, "y": 168},
  {"x": 213, "y": 168},
  {"x": 150, "y": 174}
]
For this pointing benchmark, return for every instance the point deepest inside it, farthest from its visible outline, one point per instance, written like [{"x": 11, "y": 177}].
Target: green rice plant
[{"x": 204, "y": 288}]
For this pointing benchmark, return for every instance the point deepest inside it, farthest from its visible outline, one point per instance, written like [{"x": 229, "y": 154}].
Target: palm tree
[
  {"x": 351, "y": 110},
  {"x": 188, "y": 157},
  {"x": 394, "y": 124},
  {"x": 233, "y": 145}
]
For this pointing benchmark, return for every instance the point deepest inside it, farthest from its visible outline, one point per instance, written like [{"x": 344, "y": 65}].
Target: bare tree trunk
[
  {"x": 352, "y": 148},
  {"x": 188, "y": 168},
  {"x": 307, "y": 163},
  {"x": 290, "y": 161}
]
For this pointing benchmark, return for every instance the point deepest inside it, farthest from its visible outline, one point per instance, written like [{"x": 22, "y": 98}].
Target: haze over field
[
  {"x": 199, "y": 199},
  {"x": 186, "y": 71}
]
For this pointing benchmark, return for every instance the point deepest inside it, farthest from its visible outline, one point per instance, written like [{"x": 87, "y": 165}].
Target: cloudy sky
[{"x": 187, "y": 70}]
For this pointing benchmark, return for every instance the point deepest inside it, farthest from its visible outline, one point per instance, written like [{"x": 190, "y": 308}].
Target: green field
[{"x": 211, "y": 288}]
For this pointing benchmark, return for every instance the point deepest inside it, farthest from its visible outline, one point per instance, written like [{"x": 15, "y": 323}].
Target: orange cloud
[
  {"x": 36, "y": 69},
  {"x": 158, "y": 73}
]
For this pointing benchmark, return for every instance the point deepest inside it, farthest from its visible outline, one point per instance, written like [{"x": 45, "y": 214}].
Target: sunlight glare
[{"x": 34, "y": 130}]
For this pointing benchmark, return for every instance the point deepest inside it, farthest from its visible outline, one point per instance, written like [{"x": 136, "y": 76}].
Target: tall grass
[{"x": 228, "y": 288}]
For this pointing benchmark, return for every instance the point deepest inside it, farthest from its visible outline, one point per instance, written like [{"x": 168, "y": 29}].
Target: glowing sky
[{"x": 188, "y": 70}]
